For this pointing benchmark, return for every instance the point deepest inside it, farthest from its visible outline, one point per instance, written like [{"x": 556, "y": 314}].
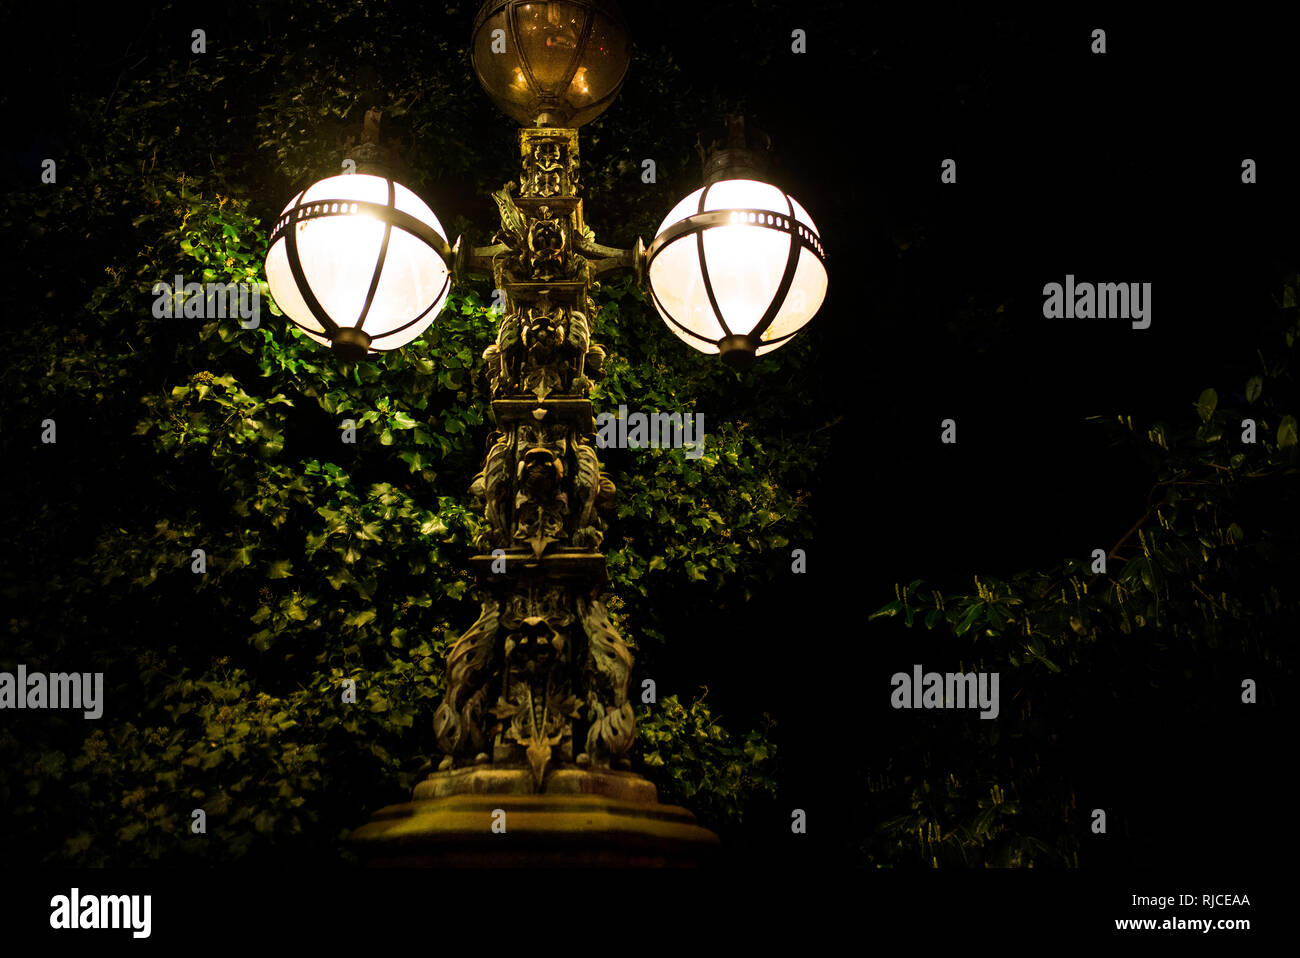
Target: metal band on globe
[{"x": 701, "y": 221}]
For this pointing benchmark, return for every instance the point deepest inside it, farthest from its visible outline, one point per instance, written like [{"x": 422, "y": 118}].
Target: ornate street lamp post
[{"x": 537, "y": 724}]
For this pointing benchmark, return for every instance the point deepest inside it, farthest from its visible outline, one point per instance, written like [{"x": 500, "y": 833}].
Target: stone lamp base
[{"x": 485, "y": 817}]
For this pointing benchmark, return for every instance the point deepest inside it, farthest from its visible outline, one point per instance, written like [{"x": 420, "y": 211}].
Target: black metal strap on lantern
[
  {"x": 738, "y": 347},
  {"x": 352, "y": 342}
]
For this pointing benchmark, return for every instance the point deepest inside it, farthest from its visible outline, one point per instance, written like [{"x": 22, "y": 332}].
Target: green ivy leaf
[
  {"x": 1206, "y": 404},
  {"x": 358, "y": 619},
  {"x": 1286, "y": 432},
  {"x": 968, "y": 619}
]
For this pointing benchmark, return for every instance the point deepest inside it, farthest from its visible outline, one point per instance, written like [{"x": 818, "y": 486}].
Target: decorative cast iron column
[
  {"x": 543, "y": 662},
  {"x": 536, "y": 723}
]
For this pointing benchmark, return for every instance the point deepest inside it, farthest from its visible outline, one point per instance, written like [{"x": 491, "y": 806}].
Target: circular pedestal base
[
  {"x": 491, "y": 779},
  {"x": 509, "y": 830}
]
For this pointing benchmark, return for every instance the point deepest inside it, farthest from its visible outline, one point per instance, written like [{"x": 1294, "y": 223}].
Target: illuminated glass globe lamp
[
  {"x": 359, "y": 263},
  {"x": 553, "y": 63},
  {"x": 737, "y": 268}
]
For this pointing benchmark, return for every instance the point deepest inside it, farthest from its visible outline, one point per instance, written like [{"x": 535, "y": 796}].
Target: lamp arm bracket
[
  {"x": 479, "y": 259},
  {"x": 593, "y": 250},
  {"x": 608, "y": 259}
]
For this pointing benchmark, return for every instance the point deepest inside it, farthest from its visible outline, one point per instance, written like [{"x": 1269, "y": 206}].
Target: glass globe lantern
[
  {"x": 550, "y": 63},
  {"x": 359, "y": 263},
  {"x": 737, "y": 269}
]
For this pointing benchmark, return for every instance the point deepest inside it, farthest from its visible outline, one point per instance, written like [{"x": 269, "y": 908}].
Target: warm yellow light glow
[
  {"x": 745, "y": 264},
  {"x": 338, "y": 256},
  {"x": 563, "y": 63}
]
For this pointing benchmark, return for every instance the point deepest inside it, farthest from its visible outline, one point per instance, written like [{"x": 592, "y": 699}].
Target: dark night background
[{"x": 1122, "y": 167}]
